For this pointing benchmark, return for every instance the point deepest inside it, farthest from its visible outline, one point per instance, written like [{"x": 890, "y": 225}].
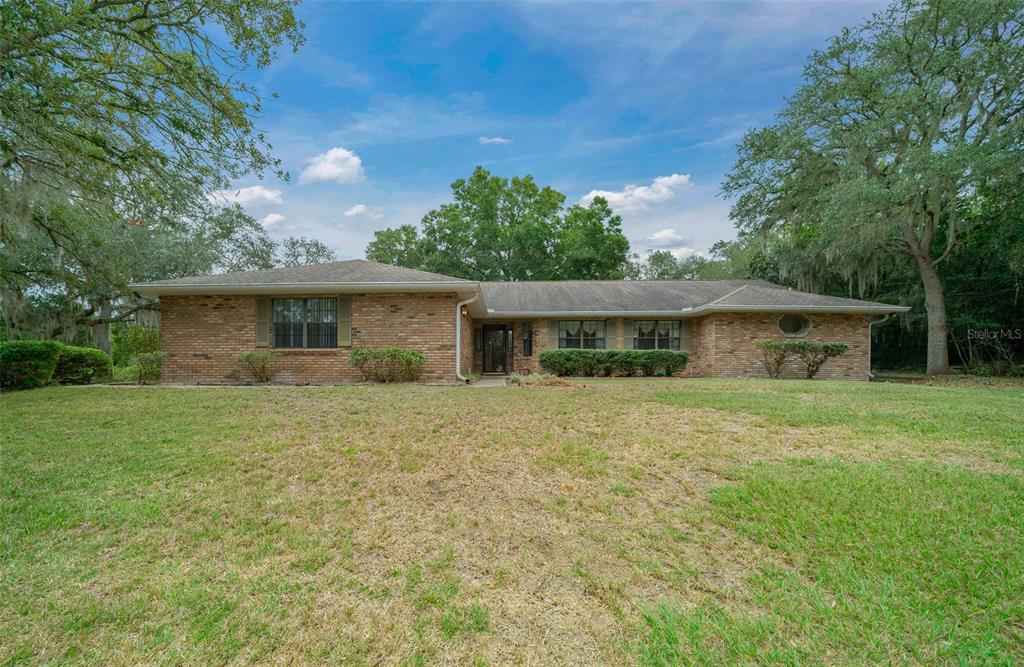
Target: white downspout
[
  {"x": 872, "y": 322},
  {"x": 458, "y": 337}
]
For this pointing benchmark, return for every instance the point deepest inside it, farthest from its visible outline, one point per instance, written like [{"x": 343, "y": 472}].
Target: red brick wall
[
  {"x": 202, "y": 334},
  {"x": 724, "y": 345}
]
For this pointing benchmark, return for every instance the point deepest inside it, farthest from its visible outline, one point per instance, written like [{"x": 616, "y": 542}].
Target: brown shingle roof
[
  {"x": 655, "y": 296},
  {"x": 347, "y": 271},
  {"x": 527, "y": 298}
]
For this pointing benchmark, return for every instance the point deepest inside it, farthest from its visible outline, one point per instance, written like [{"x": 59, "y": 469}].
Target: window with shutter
[{"x": 305, "y": 323}]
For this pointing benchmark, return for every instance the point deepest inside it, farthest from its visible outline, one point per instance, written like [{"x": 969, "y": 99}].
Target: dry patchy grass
[{"x": 418, "y": 525}]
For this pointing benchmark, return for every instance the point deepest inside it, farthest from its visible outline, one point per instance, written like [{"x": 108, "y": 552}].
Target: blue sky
[{"x": 386, "y": 104}]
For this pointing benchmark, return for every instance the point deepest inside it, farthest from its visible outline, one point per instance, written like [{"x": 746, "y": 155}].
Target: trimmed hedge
[
  {"x": 613, "y": 362},
  {"x": 82, "y": 365},
  {"x": 26, "y": 364},
  {"x": 388, "y": 364}
]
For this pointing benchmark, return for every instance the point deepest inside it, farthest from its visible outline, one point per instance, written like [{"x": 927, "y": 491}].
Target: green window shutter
[
  {"x": 344, "y": 321},
  {"x": 553, "y": 334},
  {"x": 627, "y": 334},
  {"x": 262, "y": 322}
]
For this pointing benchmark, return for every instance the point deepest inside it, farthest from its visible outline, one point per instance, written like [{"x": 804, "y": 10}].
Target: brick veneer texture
[
  {"x": 202, "y": 334},
  {"x": 724, "y": 345}
]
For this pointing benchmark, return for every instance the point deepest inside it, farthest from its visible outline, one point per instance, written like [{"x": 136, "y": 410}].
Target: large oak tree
[
  {"x": 898, "y": 126},
  {"x": 509, "y": 229}
]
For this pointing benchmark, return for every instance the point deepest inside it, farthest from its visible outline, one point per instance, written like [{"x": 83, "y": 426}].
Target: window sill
[{"x": 308, "y": 350}]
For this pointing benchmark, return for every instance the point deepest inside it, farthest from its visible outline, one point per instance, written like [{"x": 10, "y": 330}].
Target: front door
[{"x": 494, "y": 349}]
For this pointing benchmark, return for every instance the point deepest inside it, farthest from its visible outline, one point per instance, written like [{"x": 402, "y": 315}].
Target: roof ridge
[{"x": 726, "y": 296}]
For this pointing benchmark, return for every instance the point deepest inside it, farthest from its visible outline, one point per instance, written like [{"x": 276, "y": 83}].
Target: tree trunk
[
  {"x": 101, "y": 330},
  {"x": 935, "y": 306}
]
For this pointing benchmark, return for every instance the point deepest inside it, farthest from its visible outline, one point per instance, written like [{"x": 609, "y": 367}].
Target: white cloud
[
  {"x": 254, "y": 195},
  {"x": 339, "y": 165},
  {"x": 363, "y": 210},
  {"x": 638, "y": 197},
  {"x": 494, "y": 140},
  {"x": 667, "y": 238},
  {"x": 271, "y": 219},
  {"x": 683, "y": 252}
]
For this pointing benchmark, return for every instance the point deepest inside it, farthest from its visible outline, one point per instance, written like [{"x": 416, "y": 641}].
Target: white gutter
[
  {"x": 711, "y": 308},
  {"x": 696, "y": 312},
  {"x": 582, "y": 313},
  {"x": 458, "y": 337}
]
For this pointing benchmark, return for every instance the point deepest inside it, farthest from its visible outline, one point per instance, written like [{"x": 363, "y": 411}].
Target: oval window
[{"x": 794, "y": 325}]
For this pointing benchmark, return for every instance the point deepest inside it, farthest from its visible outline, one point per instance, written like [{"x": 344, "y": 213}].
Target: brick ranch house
[{"x": 314, "y": 315}]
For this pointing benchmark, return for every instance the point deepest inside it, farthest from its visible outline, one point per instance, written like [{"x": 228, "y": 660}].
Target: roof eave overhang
[
  {"x": 699, "y": 311},
  {"x": 838, "y": 310},
  {"x": 152, "y": 291},
  {"x": 582, "y": 313}
]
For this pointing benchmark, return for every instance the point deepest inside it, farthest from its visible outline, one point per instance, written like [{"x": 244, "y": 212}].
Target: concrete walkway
[{"x": 489, "y": 382}]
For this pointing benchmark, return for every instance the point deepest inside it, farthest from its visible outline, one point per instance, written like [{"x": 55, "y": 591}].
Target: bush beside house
[
  {"x": 82, "y": 365},
  {"x": 257, "y": 363},
  {"x": 613, "y": 362},
  {"x": 388, "y": 364},
  {"x": 811, "y": 353},
  {"x": 149, "y": 366}
]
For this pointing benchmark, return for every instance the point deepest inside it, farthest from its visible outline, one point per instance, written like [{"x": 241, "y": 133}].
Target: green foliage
[
  {"x": 150, "y": 366},
  {"x": 613, "y": 362},
  {"x": 388, "y": 364},
  {"x": 813, "y": 354},
  {"x": 26, "y": 364},
  {"x": 153, "y": 110},
  {"x": 300, "y": 251},
  {"x": 134, "y": 340},
  {"x": 773, "y": 356},
  {"x": 257, "y": 363},
  {"x": 154, "y": 116},
  {"x": 875, "y": 163},
  {"x": 509, "y": 229},
  {"x": 82, "y": 365}
]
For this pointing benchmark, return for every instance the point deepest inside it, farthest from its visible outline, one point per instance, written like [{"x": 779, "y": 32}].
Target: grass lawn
[{"x": 624, "y": 522}]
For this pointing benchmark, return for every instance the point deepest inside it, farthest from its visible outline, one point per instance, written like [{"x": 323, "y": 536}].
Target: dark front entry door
[{"x": 494, "y": 349}]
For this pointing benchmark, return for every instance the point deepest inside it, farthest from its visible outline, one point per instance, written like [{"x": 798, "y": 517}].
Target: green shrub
[
  {"x": 257, "y": 363},
  {"x": 26, "y": 364},
  {"x": 773, "y": 355},
  {"x": 135, "y": 339},
  {"x": 388, "y": 364},
  {"x": 608, "y": 362},
  {"x": 812, "y": 353},
  {"x": 128, "y": 373},
  {"x": 81, "y": 365},
  {"x": 150, "y": 365}
]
